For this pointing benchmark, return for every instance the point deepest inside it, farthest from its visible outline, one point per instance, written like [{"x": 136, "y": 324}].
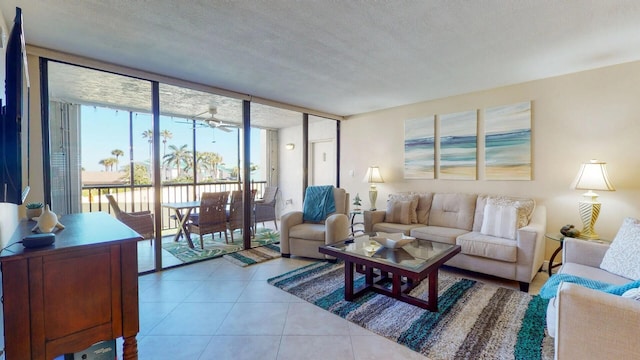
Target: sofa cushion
[
  {"x": 308, "y": 231},
  {"x": 453, "y": 211},
  {"x": 394, "y": 227},
  {"x": 500, "y": 221},
  {"x": 525, "y": 207},
  {"x": 402, "y": 209},
  {"x": 437, "y": 233},
  {"x": 491, "y": 247},
  {"x": 622, "y": 256},
  {"x": 424, "y": 207}
]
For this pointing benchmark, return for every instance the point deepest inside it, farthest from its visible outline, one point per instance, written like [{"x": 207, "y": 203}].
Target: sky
[{"x": 105, "y": 129}]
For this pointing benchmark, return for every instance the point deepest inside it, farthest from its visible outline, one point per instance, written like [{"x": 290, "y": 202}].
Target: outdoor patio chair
[
  {"x": 236, "y": 212},
  {"x": 212, "y": 217},
  {"x": 140, "y": 221},
  {"x": 265, "y": 209}
]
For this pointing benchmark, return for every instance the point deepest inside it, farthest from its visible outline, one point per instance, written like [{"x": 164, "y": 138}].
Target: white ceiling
[{"x": 341, "y": 57}]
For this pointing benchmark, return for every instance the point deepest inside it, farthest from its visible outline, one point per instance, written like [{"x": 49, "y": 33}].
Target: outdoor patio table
[{"x": 183, "y": 211}]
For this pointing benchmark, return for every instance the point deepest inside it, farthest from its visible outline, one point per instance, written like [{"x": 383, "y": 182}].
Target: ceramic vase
[{"x": 48, "y": 221}]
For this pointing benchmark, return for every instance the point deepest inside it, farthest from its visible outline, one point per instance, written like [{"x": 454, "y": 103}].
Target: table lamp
[
  {"x": 373, "y": 177},
  {"x": 592, "y": 176}
]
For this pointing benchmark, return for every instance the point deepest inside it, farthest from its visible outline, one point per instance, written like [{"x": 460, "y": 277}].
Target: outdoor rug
[
  {"x": 254, "y": 255},
  {"x": 215, "y": 246},
  {"x": 474, "y": 320}
]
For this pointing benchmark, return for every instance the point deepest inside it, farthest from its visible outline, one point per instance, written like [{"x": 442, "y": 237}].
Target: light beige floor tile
[
  {"x": 172, "y": 347},
  {"x": 242, "y": 348},
  {"x": 229, "y": 271},
  {"x": 168, "y": 291},
  {"x": 152, "y": 313},
  {"x": 359, "y": 330},
  {"x": 255, "y": 319},
  {"x": 193, "y": 319},
  {"x": 217, "y": 291},
  {"x": 308, "y": 319},
  {"x": 261, "y": 291},
  {"x": 315, "y": 348},
  {"x": 197, "y": 271}
]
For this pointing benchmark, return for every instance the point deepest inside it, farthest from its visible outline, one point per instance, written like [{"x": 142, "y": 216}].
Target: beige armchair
[
  {"x": 301, "y": 238},
  {"x": 140, "y": 221}
]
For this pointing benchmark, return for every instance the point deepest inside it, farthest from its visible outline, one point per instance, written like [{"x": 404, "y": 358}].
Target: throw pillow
[
  {"x": 524, "y": 207},
  {"x": 399, "y": 212},
  {"x": 622, "y": 256},
  {"x": 500, "y": 221},
  {"x": 408, "y": 197}
]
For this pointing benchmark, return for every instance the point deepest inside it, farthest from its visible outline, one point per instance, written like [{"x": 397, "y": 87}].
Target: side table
[
  {"x": 352, "y": 217},
  {"x": 559, "y": 238}
]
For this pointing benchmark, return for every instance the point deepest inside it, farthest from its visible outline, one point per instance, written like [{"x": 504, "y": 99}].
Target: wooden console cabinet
[{"x": 81, "y": 290}]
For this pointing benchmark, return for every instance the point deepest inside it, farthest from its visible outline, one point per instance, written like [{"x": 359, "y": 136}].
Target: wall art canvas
[
  {"x": 508, "y": 142},
  {"x": 458, "y": 145},
  {"x": 419, "y": 148}
]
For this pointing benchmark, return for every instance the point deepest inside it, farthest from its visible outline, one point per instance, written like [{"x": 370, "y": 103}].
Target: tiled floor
[{"x": 218, "y": 310}]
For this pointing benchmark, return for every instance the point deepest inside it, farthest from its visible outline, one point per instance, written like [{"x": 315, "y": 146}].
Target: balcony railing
[{"x": 141, "y": 197}]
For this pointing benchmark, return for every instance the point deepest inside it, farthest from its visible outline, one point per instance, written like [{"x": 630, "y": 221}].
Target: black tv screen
[{"x": 15, "y": 95}]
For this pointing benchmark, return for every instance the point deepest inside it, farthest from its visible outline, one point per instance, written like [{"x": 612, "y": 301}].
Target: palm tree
[
  {"x": 103, "y": 162},
  {"x": 181, "y": 157},
  {"x": 117, "y": 153},
  {"x": 209, "y": 161},
  {"x": 148, "y": 134},
  {"x": 165, "y": 134}
]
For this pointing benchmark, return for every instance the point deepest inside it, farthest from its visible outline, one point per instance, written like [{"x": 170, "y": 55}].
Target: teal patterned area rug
[
  {"x": 215, "y": 246},
  {"x": 254, "y": 255},
  {"x": 474, "y": 320}
]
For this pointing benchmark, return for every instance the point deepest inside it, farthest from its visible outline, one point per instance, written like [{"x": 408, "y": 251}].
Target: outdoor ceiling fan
[{"x": 213, "y": 121}]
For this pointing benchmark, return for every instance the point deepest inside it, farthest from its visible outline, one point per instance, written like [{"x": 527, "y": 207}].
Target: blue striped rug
[{"x": 474, "y": 320}]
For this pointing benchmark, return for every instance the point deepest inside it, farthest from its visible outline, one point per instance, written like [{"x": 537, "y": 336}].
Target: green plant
[{"x": 34, "y": 205}]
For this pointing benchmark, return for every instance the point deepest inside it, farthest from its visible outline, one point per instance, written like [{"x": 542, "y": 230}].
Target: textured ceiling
[{"x": 341, "y": 57}]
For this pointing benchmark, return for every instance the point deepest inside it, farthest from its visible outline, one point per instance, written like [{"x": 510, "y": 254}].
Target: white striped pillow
[{"x": 500, "y": 221}]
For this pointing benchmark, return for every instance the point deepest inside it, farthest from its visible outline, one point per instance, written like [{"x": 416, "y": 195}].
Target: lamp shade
[
  {"x": 373, "y": 175},
  {"x": 593, "y": 176}
]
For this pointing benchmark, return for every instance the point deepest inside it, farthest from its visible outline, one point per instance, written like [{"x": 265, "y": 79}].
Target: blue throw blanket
[
  {"x": 550, "y": 288},
  {"x": 318, "y": 203}
]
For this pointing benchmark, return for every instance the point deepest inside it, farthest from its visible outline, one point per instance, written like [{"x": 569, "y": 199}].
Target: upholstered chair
[
  {"x": 140, "y": 221},
  {"x": 301, "y": 238}
]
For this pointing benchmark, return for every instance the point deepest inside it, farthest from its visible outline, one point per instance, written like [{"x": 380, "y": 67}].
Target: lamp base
[
  {"x": 373, "y": 196},
  {"x": 589, "y": 211}
]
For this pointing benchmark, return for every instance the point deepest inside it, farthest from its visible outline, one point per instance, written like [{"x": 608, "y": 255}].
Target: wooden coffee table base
[{"x": 399, "y": 289}]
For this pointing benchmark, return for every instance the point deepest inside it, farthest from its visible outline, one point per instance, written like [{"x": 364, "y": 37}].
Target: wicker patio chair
[{"x": 140, "y": 221}]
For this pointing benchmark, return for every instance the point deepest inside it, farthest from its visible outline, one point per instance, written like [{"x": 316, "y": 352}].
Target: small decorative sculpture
[
  {"x": 570, "y": 231},
  {"x": 47, "y": 222},
  {"x": 357, "y": 202}
]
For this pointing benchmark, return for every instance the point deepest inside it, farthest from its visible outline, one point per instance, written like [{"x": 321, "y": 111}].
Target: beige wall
[
  {"x": 577, "y": 117},
  {"x": 592, "y": 114}
]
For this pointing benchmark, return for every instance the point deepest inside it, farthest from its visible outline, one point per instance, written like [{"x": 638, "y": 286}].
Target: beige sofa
[
  {"x": 587, "y": 323},
  {"x": 457, "y": 218}
]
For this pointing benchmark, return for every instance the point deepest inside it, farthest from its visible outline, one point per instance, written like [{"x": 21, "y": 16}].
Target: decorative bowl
[{"x": 392, "y": 240}]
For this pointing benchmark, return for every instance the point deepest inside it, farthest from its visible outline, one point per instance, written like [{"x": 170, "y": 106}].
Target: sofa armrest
[
  {"x": 583, "y": 252},
  {"x": 592, "y": 324},
  {"x": 286, "y": 222},
  {"x": 531, "y": 245},
  {"x": 372, "y": 217},
  {"x": 336, "y": 228}
]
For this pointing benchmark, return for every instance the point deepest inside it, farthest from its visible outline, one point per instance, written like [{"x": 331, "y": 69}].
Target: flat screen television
[{"x": 16, "y": 94}]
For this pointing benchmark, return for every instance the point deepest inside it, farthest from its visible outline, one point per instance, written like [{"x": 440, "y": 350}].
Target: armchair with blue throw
[{"x": 323, "y": 221}]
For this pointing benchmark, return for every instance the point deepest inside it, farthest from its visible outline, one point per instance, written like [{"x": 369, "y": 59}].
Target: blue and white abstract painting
[
  {"x": 508, "y": 142},
  {"x": 458, "y": 145},
  {"x": 419, "y": 148}
]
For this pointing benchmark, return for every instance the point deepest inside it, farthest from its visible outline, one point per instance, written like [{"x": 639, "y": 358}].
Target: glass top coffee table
[{"x": 405, "y": 267}]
